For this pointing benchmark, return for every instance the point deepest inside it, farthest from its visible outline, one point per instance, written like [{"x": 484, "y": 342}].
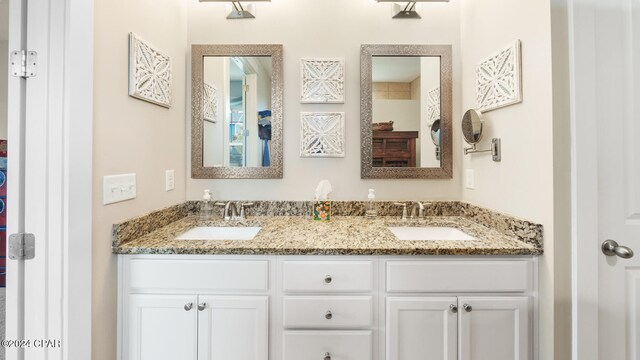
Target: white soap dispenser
[
  {"x": 206, "y": 206},
  {"x": 371, "y": 212}
]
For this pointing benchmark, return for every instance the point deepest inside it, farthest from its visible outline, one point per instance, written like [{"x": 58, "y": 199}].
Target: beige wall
[
  {"x": 522, "y": 184},
  {"x": 327, "y": 28},
  {"x": 562, "y": 181},
  {"x": 396, "y": 90},
  {"x": 131, "y": 135}
]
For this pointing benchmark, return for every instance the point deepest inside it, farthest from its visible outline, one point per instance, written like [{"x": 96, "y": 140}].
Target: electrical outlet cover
[
  {"x": 470, "y": 180},
  {"x": 169, "y": 180}
]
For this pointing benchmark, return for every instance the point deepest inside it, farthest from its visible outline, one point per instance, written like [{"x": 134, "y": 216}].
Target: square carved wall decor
[
  {"x": 499, "y": 79},
  {"x": 149, "y": 73},
  {"x": 321, "y": 81},
  {"x": 322, "y": 134}
]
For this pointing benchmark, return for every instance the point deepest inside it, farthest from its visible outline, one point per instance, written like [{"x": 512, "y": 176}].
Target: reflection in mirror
[
  {"x": 472, "y": 126},
  {"x": 237, "y": 111},
  {"x": 435, "y": 137},
  {"x": 406, "y": 92}
]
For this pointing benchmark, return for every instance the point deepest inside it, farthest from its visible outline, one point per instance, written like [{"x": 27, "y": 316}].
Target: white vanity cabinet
[
  {"x": 159, "y": 327},
  {"x": 459, "y": 309},
  {"x": 210, "y": 307},
  {"x": 194, "y": 308},
  {"x": 328, "y": 305},
  {"x": 421, "y": 328}
]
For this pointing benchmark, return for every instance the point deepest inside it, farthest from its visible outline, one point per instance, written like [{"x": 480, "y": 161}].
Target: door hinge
[
  {"x": 24, "y": 64},
  {"x": 22, "y": 246}
]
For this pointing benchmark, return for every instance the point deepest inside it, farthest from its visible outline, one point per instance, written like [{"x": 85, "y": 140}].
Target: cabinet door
[
  {"x": 233, "y": 327},
  {"x": 421, "y": 328},
  {"x": 494, "y": 328},
  {"x": 160, "y": 327}
]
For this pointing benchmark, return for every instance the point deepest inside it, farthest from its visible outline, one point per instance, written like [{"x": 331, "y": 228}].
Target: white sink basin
[
  {"x": 427, "y": 233},
  {"x": 220, "y": 233}
]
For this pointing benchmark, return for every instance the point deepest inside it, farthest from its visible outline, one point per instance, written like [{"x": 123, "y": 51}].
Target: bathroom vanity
[{"x": 348, "y": 289}]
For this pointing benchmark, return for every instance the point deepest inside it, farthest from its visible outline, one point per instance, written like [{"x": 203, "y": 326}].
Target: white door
[
  {"x": 49, "y": 179},
  {"x": 162, "y": 327},
  {"x": 422, "y": 328},
  {"x": 494, "y": 328},
  {"x": 619, "y": 181},
  {"x": 233, "y": 327}
]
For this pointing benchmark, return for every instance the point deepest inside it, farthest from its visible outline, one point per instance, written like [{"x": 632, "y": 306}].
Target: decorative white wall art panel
[
  {"x": 210, "y": 111},
  {"x": 499, "y": 79},
  {"x": 321, "y": 81},
  {"x": 149, "y": 73},
  {"x": 433, "y": 105},
  {"x": 322, "y": 134}
]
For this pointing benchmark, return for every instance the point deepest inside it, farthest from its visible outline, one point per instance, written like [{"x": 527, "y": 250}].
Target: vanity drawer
[
  {"x": 457, "y": 276},
  {"x": 199, "y": 275},
  {"x": 327, "y": 276},
  {"x": 327, "y": 312},
  {"x": 337, "y": 345}
]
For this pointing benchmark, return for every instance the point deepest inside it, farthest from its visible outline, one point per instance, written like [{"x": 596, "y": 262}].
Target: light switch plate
[
  {"x": 118, "y": 188},
  {"x": 169, "y": 180},
  {"x": 469, "y": 179}
]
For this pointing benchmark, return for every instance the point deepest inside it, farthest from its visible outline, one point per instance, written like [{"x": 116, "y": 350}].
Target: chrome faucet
[
  {"x": 231, "y": 211},
  {"x": 417, "y": 205},
  {"x": 420, "y": 207}
]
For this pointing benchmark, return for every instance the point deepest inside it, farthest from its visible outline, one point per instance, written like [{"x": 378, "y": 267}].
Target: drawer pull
[
  {"x": 467, "y": 307},
  {"x": 328, "y": 279},
  {"x": 188, "y": 306},
  {"x": 202, "y": 306},
  {"x": 453, "y": 308},
  {"x": 328, "y": 315},
  {"x": 327, "y": 356}
]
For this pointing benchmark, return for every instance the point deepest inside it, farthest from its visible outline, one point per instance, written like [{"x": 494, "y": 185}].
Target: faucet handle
[
  {"x": 242, "y": 206},
  {"x": 404, "y": 209}
]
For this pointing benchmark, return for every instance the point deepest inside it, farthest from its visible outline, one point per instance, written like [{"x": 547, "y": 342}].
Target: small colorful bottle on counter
[{"x": 371, "y": 212}]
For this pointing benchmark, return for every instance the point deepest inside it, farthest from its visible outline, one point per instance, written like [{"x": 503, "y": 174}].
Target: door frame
[
  {"x": 584, "y": 178},
  {"x": 59, "y": 137}
]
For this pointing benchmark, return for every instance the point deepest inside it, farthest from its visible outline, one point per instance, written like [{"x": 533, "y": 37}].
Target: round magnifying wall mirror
[
  {"x": 435, "y": 132},
  {"x": 472, "y": 126}
]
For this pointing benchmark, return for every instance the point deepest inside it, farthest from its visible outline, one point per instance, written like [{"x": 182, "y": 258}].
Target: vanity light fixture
[
  {"x": 409, "y": 10},
  {"x": 239, "y": 11}
]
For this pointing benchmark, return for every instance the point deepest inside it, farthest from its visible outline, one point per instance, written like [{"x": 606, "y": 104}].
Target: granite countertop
[{"x": 343, "y": 235}]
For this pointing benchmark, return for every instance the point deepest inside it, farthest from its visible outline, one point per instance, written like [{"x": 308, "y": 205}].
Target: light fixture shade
[
  {"x": 236, "y": 1},
  {"x": 404, "y": 1}
]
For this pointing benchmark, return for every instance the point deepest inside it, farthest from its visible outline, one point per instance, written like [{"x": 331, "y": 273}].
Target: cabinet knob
[
  {"x": 328, "y": 315},
  {"x": 453, "y": 308},
  {"x": 327, "y": 356},
  {"x": 467, "y": 307},
  {"x": 328, "y": 279},
  {"x": 188, "y": 306},
  {"x": 202, "y": 306}
]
